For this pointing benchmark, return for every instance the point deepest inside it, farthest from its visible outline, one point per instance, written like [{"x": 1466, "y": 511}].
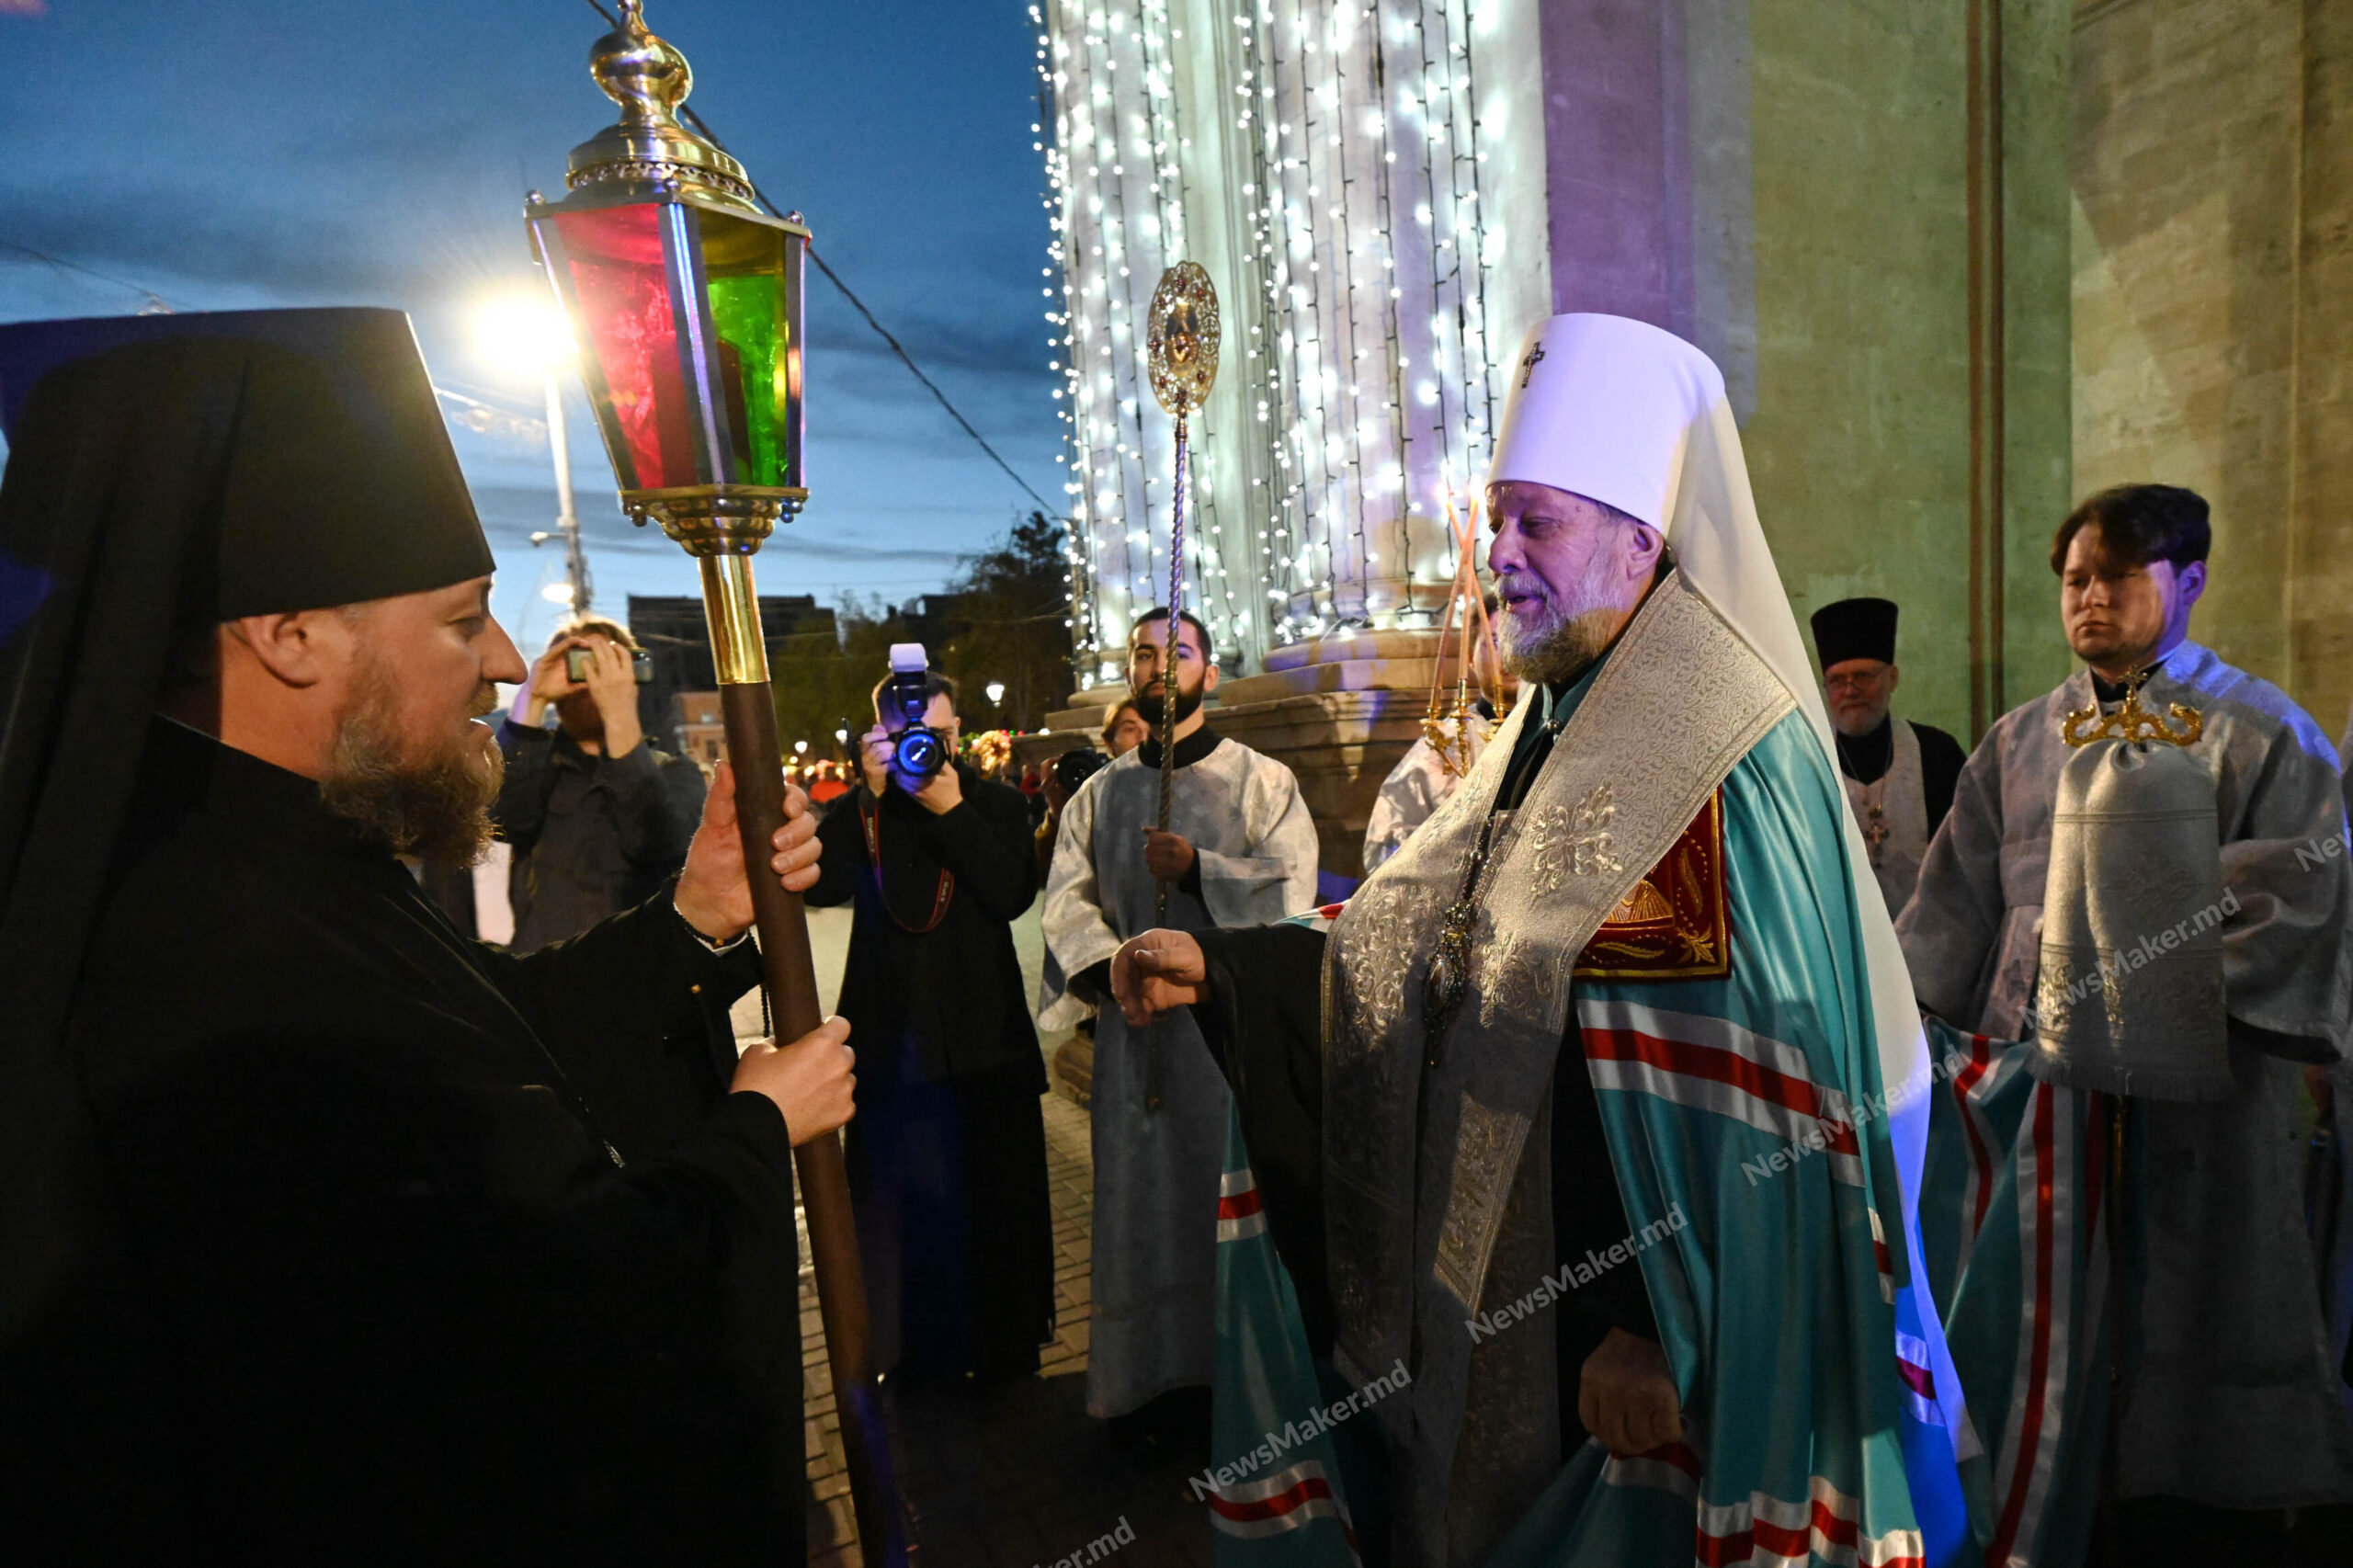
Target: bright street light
[
  {"x": 842, "y": 735},
  {"x": 996, "y": 692},
  {"x": 523, "y": 333},
  {"x": 527, "y": 333},
  {"x": 800, "y": 745}
]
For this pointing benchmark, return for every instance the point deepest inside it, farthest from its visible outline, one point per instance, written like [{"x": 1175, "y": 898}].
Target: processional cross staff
[
  {"x": 1180, "y": 352},
  {"x": 686, "y": 295}
]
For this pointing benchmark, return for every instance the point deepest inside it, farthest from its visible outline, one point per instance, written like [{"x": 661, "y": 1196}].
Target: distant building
[
  {"x": 673, "y": 632},
  {"x": 931, "y": 619},
  {"x": 702, "y": 734}
]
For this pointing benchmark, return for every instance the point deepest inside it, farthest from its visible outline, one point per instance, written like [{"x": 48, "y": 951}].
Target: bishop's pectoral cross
[{"x": 1528, "y": 365}]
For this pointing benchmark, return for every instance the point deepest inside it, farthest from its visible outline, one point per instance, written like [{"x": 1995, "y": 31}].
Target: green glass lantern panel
[{"x": 751, "y": 283}]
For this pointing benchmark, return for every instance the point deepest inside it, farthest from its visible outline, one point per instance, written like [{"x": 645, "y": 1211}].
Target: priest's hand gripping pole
[
  {"x": 790, "y": 979},
  {"x": 1180, "y": 351}
]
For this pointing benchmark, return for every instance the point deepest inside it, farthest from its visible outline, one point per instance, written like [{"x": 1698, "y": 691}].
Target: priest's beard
[
  {"x": 1558, "y": 639},
  {"x": 433, "y": 801},
  {"x": 1188, "y": 704}
]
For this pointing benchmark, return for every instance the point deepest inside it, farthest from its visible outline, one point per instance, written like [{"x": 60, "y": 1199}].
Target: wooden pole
[{"x": 790, "y": 975}]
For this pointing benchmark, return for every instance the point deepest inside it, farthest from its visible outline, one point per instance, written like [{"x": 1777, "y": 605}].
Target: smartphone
[{"x": 577, "y": 662}]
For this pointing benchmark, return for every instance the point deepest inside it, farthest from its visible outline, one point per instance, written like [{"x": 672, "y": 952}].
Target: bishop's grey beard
[
  {"x": 1557, "y": 639},
  {"x": 434, "y": 804}
]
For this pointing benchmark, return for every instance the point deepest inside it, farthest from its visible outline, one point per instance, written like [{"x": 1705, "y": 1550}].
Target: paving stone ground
[{"x": 1014, "y": 1474}]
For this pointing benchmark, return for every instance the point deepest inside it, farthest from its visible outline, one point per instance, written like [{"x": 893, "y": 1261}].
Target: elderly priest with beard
[
  {"x": 1653, "y": 866},
  {"x": 331, "y": 1235}
]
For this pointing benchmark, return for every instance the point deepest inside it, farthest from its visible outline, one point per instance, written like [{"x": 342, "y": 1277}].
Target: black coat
[
  {"x": 408, "y": 1298},
  {"x": 957, "y": 986},
  {"x": 592, "y": 835}
]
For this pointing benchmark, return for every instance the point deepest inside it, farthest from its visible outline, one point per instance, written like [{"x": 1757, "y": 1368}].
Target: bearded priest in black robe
[{"x": 333, "y": 1236}]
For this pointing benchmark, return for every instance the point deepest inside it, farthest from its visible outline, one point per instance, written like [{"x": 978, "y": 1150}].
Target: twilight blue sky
[{"x": 253, "y": 152}]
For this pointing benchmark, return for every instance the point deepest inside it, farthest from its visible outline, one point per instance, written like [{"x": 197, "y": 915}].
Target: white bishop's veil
[{"x": 1622, "y": 413}]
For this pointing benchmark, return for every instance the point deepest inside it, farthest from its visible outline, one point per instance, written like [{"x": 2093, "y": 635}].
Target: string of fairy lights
[{"x": 1282, "y": 143}]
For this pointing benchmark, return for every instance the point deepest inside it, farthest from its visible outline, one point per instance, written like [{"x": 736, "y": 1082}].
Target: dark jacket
[
  {"x": 410, "y": 1298},
  {"x": 593, "y": 835},
  {"x": 958, "y": 987}
]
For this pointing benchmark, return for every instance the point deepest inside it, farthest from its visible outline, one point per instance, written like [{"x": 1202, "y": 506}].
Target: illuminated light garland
[{"x": 1342, "y": 144}]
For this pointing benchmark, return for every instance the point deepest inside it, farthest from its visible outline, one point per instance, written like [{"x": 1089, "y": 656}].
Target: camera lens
[{"x": 919, "y": 753}]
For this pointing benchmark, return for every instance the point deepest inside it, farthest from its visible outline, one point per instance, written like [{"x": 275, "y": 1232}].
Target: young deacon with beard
[
  {"x": 333, "y": 1236},
  {"x": 1240, "y": 851}
]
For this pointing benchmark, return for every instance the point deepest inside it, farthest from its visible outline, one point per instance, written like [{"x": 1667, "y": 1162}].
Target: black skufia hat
[
  {"x": 1855, "y": 629},
  {"x": 165, "y": 473}
]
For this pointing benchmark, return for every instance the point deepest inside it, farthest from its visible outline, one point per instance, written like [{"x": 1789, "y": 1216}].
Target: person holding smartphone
[{"x": 597, "y": 815}]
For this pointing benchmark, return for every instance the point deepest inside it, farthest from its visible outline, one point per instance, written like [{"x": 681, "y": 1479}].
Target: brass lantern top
[{"x": 648, "y": 147}]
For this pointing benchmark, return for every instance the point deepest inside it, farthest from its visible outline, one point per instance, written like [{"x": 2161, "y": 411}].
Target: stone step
[
  {"x": 1348, "y": 675},
  {"x": 1342, "y": 647}
]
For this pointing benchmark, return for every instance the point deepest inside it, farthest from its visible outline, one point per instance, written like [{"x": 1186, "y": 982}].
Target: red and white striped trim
[
  {"x": 1969, "y": 1081},
  {"x": 1239, "y": 1213},
  {"x": 1715, "y": 1064},
  {"x": 1673, "y": 1467},
  {"x": 1915, "y": 1369},
  {"x": 1767, "y": 1532},
  {"x": 2033, "y": 1426},
  {"x": 1881, "y": 1259},
  {"x": 1287, "y": 1500}
]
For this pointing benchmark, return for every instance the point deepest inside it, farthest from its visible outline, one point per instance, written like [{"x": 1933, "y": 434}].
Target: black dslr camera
[{"x": 920, "y": 751}]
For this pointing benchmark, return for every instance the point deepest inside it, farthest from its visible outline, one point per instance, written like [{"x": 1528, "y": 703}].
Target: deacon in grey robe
[
  {"x": 1899, "y": 774},
  {"x": 2227, "y": 1397},
  {"x": 1241, "y": 851}
]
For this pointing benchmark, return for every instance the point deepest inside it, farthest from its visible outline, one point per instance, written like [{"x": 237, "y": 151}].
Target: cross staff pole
[
  {"x": 1180, "y": 351},
  {"x": 1168, "y": 663}
]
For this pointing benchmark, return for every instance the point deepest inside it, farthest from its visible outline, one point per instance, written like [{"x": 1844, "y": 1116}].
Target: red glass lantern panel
[{"x": 626, "y": 272}]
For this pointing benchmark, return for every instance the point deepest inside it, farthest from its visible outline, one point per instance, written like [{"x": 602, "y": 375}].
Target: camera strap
[{"x": 870, "y": 819}]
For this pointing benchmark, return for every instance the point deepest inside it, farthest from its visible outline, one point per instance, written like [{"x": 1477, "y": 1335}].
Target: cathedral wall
[
  {"x": 1788, "y": 187},
  {"x": 2213, "y": 256}
]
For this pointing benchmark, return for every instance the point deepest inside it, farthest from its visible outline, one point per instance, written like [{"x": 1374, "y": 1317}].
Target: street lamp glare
[
  {"x": 996, "y": 691},
  {"x": 800, "y": 746},
  {"x": 523, "y": 332}
]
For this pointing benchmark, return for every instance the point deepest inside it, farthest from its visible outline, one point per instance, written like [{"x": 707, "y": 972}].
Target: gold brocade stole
[{"x": 1613, "y": 864}]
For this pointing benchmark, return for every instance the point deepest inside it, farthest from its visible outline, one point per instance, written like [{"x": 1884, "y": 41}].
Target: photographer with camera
[
  {"x": 948, "y": 1156},
  {"x": 596, "y": 815}
]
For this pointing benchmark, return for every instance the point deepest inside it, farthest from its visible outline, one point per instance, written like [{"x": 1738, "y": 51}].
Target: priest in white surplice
[{"x": 1240, "y": 851}]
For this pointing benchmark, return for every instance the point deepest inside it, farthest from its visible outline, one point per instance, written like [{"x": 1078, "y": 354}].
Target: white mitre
[{"x": 1622, "y": 413}]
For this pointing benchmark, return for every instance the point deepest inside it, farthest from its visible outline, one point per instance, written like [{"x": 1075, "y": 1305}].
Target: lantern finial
[{"x": 649, "y": 79}]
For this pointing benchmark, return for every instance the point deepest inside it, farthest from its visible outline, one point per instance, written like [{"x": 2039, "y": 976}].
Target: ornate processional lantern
[{"x": 686, "y": 300}]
